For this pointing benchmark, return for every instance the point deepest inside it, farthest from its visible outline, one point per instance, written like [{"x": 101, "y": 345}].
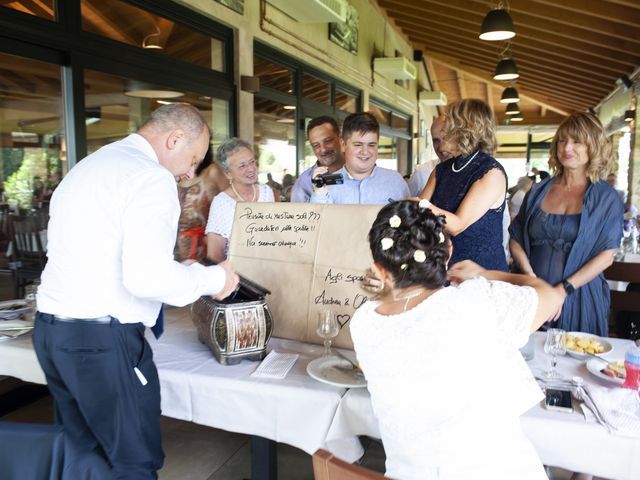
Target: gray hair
[
  {"x": 228, "y": 148},
  {"x": 177, "y": 116}
]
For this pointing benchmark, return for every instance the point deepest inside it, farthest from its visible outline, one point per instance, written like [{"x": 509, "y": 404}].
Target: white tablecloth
[
  {"x": 561, "y": 439},
  {"x": 310, "y": 415}
]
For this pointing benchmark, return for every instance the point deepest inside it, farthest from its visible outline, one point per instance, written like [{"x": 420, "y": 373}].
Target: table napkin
[
  {"x": 15, "y": 324},
  {"x": 620, "y": 408},
  {"x": 275, "y": 365}
]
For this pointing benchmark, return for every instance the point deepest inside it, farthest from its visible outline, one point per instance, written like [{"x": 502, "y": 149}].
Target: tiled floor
[{"x": 196, "y": 452}]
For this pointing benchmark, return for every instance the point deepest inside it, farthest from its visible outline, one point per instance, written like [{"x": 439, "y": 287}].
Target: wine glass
[
  {"x": 555, "y": 344},
  {"x": 327, "y": 328}
]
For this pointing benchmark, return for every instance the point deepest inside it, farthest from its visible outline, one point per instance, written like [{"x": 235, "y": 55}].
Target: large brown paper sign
[{"x": 311, "y": 257}]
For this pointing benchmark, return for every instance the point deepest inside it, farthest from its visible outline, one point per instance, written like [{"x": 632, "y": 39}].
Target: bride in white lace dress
[{"x": 447, "y": 381}]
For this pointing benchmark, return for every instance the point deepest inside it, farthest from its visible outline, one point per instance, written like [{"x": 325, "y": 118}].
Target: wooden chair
[
  {"x": 627, "y": 303},
  {"x": 328, "y": 467},
  {"x": 29, "y": 254}
]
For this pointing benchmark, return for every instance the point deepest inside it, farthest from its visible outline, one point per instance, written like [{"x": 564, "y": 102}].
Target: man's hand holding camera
[{"x": 322, "y": 189}]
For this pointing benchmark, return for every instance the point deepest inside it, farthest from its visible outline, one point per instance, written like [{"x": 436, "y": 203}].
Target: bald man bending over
[{"x": 113, "y": 227}]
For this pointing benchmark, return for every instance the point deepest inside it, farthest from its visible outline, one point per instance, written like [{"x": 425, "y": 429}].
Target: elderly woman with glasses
[{"x": 235, "y": 157}]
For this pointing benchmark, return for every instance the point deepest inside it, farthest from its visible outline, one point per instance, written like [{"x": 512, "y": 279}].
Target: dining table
[{"x": 309, "y": 414}]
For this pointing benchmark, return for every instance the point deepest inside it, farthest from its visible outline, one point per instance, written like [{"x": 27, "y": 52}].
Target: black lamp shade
[
  {"x": 497, "y": 25},
  {"x": 512, "y": 109},
  {"x": 517, "y": 118},
  {"x": 510, "y": 95},
  {"x": 629, "y": 115},
  {"x": 506, "y": 69}
]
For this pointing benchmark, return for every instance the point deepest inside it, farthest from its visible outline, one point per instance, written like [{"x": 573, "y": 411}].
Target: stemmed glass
[
  {"x": 328, "y": 328},
  {"x": 555, "y": 344}
]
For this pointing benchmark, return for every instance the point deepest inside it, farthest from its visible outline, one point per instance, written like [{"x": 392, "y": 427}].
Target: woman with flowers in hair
[
  {"x": 470, "y": 188},
  {"x": 440, "y": 415},
  {"x": 570, "y": 225}
]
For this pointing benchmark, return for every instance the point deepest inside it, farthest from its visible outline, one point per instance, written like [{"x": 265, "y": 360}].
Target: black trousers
[{"x": 99, "y": 398}]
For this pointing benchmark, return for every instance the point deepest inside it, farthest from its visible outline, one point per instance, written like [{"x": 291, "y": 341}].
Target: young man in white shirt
[{"x": 113, "y": 226}]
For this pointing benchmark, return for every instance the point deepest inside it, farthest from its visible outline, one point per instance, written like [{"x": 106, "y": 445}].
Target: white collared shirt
[{"x": 113, "y": 226}]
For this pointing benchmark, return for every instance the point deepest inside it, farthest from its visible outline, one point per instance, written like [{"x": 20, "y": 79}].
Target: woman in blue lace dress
[
  {"x": 470, "y": 188},
  {"x": 570, "y": 225}
]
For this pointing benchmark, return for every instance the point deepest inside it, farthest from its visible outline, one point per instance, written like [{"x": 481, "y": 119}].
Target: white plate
[
  {"x": 608, "y": 348},
  {"x": 11, "y": 334},
  {"x": 6, "y": 314},
  {"x": 594, "y": 366},
  {"x": 322, "y": 369}
]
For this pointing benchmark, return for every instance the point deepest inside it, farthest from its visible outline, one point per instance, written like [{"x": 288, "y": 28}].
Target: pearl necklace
[
  {"x": 240, "y": 197},
  {"x": 465, "y": 165},
  {"x": 408, "y": 297}
]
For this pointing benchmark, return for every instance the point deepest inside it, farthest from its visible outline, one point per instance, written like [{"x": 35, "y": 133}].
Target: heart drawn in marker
[{"x": 343, "y": 319}]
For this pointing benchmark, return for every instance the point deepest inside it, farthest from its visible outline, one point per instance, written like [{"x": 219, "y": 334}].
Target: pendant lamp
[
  {"x": 517, "y": 118},
  {"x": 497, "y": 25},
  {"x": 512, "y": 109},
  {"x": 509, "y": 95},
  {"x": 506, "y": 69}
]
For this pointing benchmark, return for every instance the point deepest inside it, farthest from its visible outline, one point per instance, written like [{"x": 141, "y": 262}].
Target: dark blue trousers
[{"x": 99, "y": 398}]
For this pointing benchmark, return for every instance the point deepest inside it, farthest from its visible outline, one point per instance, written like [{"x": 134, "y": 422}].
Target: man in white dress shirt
[{"x": 110, "y": 267}]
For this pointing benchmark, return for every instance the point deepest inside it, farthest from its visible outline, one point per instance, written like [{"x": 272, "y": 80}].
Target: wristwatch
[{"x": 568, "y": 287}]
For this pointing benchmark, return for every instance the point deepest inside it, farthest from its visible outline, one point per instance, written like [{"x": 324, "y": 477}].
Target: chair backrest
[
  {"x": 28, "y": 238},
  {"x": 628, "y": 301},
  {"x": 328, "y": 467}
]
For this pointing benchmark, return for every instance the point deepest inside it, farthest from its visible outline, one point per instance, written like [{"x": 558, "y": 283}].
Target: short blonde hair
[
  {"x": 469, "y": 126},
  {"x": 585, "y": 128}
]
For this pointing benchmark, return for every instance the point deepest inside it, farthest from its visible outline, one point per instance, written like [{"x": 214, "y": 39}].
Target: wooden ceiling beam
[
  {"x": 533, "y": 49},
  {"x": 102, "y": 23},
  {"x": 480, "y": 75},
  {"x": 574, "y": 20},
  {"x": 552, "y": 73},
  {"x": 460, "y": 50},
  {"x": 566, "y": 89},
  {"x": 550, "y": 68},
  {"x": 602, "y": 10},
  {"x": 462, "y": 88},
  {"x": 467, "y": 12}
]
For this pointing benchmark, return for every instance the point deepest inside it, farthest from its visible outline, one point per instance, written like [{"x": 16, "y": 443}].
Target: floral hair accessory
[
  {"x": 441, "y": 237},
  {"x": 395, "y": 221},
  {"x": 403, "y": 266},
  {"x": 386, "y": 243},
  {"x": 419, "y": 256},
  {"x": 424, "y": 203}
]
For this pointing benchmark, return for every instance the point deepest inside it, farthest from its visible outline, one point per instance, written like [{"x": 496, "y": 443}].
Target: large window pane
[
  {"x": 117, "y": 106},
  {"x": 37, "y": 8},
  {"x": 380, "y": 113},
  {"x": 388, "y": 152},
  {"x": 273, "y": 76},
  {"x": 315, "y": 89},
  {"x": 31, "y": 131},
  {"x": 346, "y": 102},
  {"x": 114, "y": 19},
  {"x": 275, "y": 139}
]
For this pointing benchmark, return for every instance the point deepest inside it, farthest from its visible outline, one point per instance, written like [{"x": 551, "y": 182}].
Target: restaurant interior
[{"x": 76, "y": 75}]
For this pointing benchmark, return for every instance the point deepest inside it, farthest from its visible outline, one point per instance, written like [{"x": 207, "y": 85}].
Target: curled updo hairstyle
[{"x": 419, "y": 229}]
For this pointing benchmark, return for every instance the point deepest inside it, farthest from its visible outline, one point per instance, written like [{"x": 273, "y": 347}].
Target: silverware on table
[{"x": 344, "y": 357}]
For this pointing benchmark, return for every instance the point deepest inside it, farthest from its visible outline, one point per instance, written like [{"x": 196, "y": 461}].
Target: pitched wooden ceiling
[{"x": 569, "y": 53}]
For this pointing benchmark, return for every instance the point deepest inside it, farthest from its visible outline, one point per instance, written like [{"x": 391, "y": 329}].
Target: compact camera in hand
[{"x": 328, "y": 179}]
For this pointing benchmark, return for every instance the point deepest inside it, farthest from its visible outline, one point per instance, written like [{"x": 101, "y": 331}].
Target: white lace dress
[{"x": 448, "y": 383}]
